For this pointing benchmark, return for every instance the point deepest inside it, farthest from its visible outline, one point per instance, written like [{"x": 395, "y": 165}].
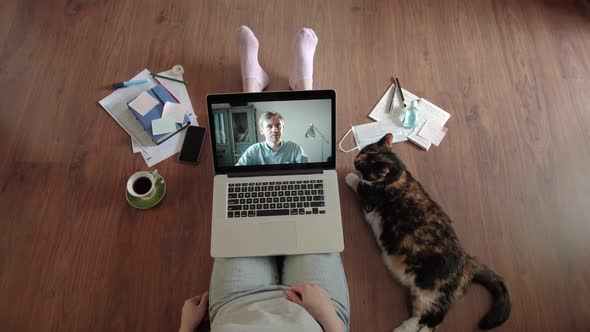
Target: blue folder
[{"x": 162, "y": 96}]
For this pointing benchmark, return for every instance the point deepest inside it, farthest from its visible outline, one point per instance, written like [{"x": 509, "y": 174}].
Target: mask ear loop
[{"x": 340, "y": 144}]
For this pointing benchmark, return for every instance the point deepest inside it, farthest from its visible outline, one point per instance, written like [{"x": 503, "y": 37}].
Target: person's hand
[
  {"x": 317, "y": 302},
  {"x": 194, "y": 311}
]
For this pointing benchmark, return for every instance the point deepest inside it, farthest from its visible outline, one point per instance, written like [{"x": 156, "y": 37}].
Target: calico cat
[{"x": 418, "y": 242}]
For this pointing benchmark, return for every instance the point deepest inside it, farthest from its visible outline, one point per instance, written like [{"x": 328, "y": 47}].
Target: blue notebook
[{"x": 162, "y": 96}]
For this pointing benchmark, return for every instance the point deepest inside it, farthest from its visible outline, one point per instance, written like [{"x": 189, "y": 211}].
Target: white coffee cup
[{"x": 142, "y": 184}]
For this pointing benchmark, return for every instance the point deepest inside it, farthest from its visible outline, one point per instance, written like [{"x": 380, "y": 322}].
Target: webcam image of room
[{"x": 273, "y": 132}]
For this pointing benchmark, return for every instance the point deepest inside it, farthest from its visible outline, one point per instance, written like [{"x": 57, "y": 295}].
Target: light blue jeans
[{"x": 233, "y": 278}]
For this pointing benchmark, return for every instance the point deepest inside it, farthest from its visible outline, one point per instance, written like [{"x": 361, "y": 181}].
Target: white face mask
[{"x": 370, "y": 133}]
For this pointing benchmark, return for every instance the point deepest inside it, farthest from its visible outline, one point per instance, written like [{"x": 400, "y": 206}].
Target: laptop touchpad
[{"x": 279, "y": 236}]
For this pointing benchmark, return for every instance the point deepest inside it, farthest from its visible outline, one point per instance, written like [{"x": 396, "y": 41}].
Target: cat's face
[{"x": 377, "y": 162}]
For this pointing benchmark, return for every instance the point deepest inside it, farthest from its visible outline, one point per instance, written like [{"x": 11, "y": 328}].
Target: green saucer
[{"x": 142, "y": 203}]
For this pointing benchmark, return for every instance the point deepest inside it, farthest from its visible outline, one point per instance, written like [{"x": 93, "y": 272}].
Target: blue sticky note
[{"x": 163, "y": 126}]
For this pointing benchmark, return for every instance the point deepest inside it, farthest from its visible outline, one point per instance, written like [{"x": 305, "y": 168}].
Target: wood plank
[{"x": 511, "y": 172}]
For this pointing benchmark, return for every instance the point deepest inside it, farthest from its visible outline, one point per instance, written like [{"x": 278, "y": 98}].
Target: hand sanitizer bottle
[{"x": 410, "y": 119}]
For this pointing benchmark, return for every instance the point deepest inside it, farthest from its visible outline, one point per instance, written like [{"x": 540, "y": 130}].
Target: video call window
[{"x": 273, "y": 132}]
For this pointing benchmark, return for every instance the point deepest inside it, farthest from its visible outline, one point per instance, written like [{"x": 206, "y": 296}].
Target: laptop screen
[{"x": 276, "y": 130}]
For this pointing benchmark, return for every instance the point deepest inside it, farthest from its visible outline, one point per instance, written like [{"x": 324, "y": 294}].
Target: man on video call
[{"x": 273, "y": 150}]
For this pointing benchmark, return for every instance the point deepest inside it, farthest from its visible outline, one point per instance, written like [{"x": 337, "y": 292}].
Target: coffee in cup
[{"x": 142, "y": 184}]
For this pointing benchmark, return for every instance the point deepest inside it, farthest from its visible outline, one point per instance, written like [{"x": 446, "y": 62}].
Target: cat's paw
[
  {"x": 412, "y": 325},
  {"x": 352, "y": 180}
]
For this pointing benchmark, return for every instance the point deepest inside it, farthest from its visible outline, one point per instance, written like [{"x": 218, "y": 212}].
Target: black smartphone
[{"x": 192, "y": 145}]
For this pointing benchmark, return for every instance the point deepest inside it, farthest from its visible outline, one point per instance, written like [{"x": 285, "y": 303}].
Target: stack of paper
[
  {"x": 431, "y": 119},
  {"x": 116, "y": 106}
]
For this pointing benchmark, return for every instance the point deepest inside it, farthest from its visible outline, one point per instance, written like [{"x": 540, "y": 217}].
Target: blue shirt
[{"x": 261, "y": 154}]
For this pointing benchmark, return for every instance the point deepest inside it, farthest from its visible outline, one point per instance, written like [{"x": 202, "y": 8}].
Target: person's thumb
[
  {"x": 204, "y": 304},
  {"x": 195, "y": 300},
  {"x": 294, "y": 297}
]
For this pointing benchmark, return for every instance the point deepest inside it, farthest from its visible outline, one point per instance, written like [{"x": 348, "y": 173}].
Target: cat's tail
[{"x": 501, "y": 306}]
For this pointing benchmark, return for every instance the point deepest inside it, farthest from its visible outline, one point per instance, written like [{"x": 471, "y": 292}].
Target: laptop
[{"x": 275, "y": 190}]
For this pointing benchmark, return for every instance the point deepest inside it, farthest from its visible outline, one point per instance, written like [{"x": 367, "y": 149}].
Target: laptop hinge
[{"x": 279, "y": 172}]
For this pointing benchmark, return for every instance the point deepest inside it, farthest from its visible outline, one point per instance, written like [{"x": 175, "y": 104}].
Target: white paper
[
  {"x": 163, "y": 126},
  {"x": 116, "y": 106},
  {"x": 418, "y": 140},
  {"x": 166, "y": 150},
  {"x": 433, "y": 132},
  {"x": 135, "y": 146},
  {"x": 174, "y": 111},
  {"x": 143, "y": 103}
]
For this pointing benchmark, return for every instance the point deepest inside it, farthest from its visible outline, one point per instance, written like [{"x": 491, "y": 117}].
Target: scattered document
[
  {"x": 143, "y": 103},
  {"x": 433, "y": 132},
  {"x": 115, "y": 105},
  {"x": 163, "y": 126},
  {"x": 427, "y": 112},
  {"x": 174, "y": 111}
]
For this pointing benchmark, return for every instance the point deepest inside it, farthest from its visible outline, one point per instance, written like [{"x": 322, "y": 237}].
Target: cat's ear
[{"x": 386, "y": 140}]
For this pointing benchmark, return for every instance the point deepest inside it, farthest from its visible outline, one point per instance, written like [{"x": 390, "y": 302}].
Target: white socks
[
  {"x": 304, "y": 46},
  {"x": 248, "y": 47}
]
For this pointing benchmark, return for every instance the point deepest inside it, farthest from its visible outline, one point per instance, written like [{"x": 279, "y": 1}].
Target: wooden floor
[{"x": 513, "y": 171}]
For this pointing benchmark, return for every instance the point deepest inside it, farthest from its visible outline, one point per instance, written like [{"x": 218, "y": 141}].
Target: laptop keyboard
[{"x": 282, "y": 198}]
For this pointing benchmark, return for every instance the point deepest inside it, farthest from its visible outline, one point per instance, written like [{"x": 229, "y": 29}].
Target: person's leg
[
  {"x": 254, "y": 78},
  {"x": 304, "y": 44},
  {"x": 325, "y": 270},
  {"x": 233, "y": 277}
]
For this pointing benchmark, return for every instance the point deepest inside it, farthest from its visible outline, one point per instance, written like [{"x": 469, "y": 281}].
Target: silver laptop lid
[{"x": 285, "y": 132}]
